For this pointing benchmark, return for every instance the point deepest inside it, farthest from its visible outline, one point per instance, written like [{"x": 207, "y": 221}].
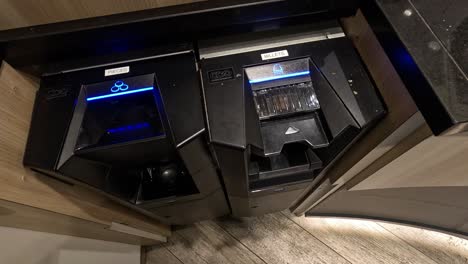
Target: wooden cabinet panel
[
  {"x": 23, "y": 186},
  {"x": 436, "y": 161},
  {"x": 409, "y": 183},
  {"x": 438, "y": 207},
  {"x": 26, "y": 217},
  {"x": 425, "y": 185},
  {"x": 14, "y": 14}
]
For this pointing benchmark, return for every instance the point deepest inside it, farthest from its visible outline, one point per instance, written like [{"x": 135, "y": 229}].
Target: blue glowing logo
[
  {"x": 278, "y": 69},
  {"x": 119, "y": 86}
]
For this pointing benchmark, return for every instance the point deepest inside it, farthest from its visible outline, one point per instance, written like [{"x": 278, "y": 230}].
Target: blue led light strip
[
  {"x": 119, "y": 94},
  {"x": 284, "y": 76},
  {"x": 128, "y": 128}
]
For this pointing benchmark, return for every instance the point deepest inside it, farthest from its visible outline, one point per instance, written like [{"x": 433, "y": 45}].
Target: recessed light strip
[
  {"x": 120, "y": 93},
  {"x": 279, "y": 77}
]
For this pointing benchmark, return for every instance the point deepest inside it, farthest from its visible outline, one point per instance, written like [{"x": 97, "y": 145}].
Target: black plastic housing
[
  {"x": 268, "y": 160},
  {"x": 138, "y": 136}
]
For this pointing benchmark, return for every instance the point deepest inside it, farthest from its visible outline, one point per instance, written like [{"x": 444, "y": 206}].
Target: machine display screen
[{"x": 119, "y": 111}]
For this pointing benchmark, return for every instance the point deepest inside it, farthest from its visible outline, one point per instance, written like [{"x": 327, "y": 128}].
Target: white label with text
[
  {"x": 115, "y": 71},
  {"x": 275, "y": 54}
]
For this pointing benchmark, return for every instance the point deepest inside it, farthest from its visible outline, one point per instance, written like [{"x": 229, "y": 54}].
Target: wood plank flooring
[{"x": 283, "y": 238}]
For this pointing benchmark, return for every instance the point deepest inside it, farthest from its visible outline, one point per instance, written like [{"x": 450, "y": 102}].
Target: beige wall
[{"x": 30, "y": 247}]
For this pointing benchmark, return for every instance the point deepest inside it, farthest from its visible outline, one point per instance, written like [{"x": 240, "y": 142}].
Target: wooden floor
[{"x": 282, "y": 238}]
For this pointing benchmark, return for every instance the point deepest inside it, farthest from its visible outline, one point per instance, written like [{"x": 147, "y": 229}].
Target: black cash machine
[
  {"x": 281, "y": 107},
  {"x": 133, "y": 130}
]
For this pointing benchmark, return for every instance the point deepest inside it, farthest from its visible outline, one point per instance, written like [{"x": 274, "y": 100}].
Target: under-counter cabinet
[{"x": 408, "y": 165}]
